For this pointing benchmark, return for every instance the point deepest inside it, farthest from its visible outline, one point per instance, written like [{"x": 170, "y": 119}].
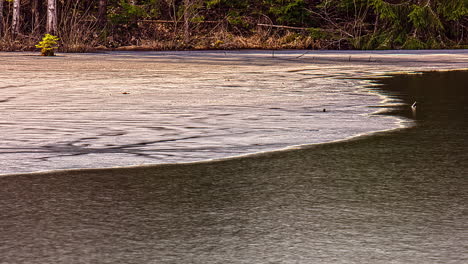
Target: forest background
[{"x": 87, "y": 25}]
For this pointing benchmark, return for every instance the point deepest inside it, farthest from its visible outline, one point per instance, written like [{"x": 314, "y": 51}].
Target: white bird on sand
[{"x": 414, "y": 105}]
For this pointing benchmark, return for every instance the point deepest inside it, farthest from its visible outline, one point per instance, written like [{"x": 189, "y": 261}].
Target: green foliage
[
  {"x": 288, "y": 11},
  {"x": 358, "y": 24},
  {"x": 48, "y": 45},
  {"x": 197, "y": 19},
  {"x": 407, "y": 24},
  {"x": 234, "y": 11},
  {"x": 453, "y": 10},
  {"x": 124, "y": 12},
  {"x": 423, "y": 17},
  {"x": 228, "y": 4},
  {"x": 212, "y": 3},
  {"x": 318, "y": 33},
  {"x": 414, "y": 44},
  {"x": 362, "y": 24},
  {"x": 377, "y": 41},
  {"x": 384, "y": 9},
  {"x": 236, "y": 19}
]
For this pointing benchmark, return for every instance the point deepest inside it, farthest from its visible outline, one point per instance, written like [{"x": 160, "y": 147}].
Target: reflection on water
[{"x": 394, "y": 197}]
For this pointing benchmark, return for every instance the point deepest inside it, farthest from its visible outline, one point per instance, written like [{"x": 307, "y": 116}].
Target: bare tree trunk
[
  {"x": 51, "y": 17},
  {"x": 186, "y": 21},
  {"x": 15, "y": 25},
  {"x": 35, "y": 15},
  {"x": 102, "y": 15},
  {"x": 1, "y": 18}
]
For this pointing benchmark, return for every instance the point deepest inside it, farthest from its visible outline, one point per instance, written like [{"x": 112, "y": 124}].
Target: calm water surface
[{"x": 394, "y": 197}]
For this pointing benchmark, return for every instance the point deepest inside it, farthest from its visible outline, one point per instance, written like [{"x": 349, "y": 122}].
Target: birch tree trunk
[
  {"x": 15, "y": 24},
  {"x": 102, "y": 14},
  {"x": 51, "y": 17}
]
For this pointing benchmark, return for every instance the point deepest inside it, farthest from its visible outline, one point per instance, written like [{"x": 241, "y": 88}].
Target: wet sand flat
[{"x": 132, "y": 108}]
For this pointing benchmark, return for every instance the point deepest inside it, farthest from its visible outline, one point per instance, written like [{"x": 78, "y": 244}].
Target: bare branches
[{"x": 327, "y": 18}]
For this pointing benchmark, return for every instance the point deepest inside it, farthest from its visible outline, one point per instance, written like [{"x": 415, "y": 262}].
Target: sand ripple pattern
[{"x": 124, "y": 108}]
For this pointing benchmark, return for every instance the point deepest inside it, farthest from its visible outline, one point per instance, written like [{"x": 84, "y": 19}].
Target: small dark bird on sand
[{"x": 324, "y": 110}]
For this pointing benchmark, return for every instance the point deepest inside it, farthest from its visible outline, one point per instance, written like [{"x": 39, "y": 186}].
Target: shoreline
[
  {"x": 409, "y": 124},
  {"x": 204, "y": 162},
  {"x": 364, "y": 76}
]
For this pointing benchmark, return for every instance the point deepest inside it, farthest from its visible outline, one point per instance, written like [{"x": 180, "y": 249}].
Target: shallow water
[
  {"x": 121, "y": 109},
  {"x": 392, "y": 197}
]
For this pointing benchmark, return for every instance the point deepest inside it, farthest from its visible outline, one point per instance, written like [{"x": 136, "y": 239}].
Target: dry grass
[
  {"x": 85, "y": 38},
  {"x": 18, "y": 43},
  {"x": 286, "y": 40}
]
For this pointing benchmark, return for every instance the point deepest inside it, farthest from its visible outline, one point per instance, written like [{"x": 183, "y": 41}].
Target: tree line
[{"x": 181, "y": 24}]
